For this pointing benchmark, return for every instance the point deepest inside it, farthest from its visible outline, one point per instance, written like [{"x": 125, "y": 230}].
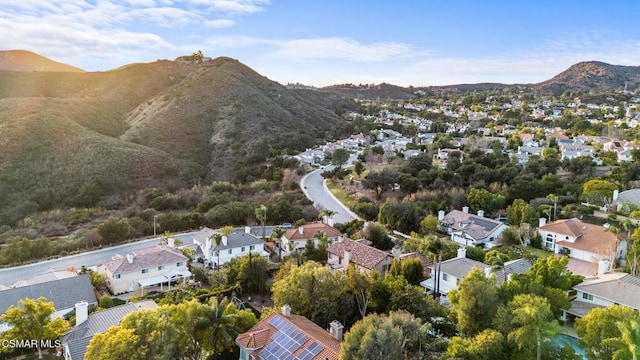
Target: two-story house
[
  {"x": 581, "y": 241},
  {"x": 449, "y": 273},
  {"x": 155, "y": 265},
  {"x": 363, "y": 256},
  {"x": 288, "y": 336},
  {"x": 233, "y": 245},
  {"x": 296, "y": 239},
  {"x": 471, "y": 230}
]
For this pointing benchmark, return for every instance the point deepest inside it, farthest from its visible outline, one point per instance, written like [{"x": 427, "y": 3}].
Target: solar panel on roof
[
  {"x": 315, "y": 348},
  {"x": 486, "y": 224}
]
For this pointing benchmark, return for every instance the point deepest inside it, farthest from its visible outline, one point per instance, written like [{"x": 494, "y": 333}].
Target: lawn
[{"x": 538, "y": 253}]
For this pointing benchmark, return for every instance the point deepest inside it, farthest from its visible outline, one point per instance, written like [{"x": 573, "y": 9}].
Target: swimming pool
[{"x": 567, "y": 340}]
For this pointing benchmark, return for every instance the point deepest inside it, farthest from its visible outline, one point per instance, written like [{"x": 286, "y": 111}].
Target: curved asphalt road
[{"x": 313, "y": 187}]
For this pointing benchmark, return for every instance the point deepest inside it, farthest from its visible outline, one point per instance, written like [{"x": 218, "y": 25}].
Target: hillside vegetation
[{"x": 82, "y": 138}]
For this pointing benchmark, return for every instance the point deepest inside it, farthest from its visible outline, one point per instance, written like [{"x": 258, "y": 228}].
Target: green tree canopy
[
  {"x": 474, "y": 302},
  {"x": 600, "y": 324}
]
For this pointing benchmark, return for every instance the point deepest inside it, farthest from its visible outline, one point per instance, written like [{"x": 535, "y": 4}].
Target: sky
[{"x": 326, "y": 42}]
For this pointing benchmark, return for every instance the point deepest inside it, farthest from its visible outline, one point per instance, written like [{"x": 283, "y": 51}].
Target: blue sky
[{"x": 326, "y": 42}]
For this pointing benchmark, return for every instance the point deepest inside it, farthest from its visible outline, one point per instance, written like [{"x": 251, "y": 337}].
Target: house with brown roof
[
  {"x": 296, "y": 239},
  {"x": 359, "y": 253},
  {"x": 155, "y": 265},
  {"x": 287, "y": 336},
  {"x": 581, "y": 241}
]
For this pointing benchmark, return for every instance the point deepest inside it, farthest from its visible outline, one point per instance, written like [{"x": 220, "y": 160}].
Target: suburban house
[
  {"x": 64, "y": 293},
  {"x": 359, "y": 253},
  {"x": 155, "y": 265},
  {"x": 296, "y": 239},
  {"x": 469, "y": 229},
  {"x": 450, "y": 272},
  {"x": 604, "y": 290},
  {"x": 286, "y": 336},
  {"x": 581, "y": 241},
  {"x": 76, "y": 340},
  {"x": 236, "y": 244},
  {"x": 48, "y": 275}
]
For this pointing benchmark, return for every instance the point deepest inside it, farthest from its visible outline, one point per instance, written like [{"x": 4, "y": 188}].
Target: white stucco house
[
  {"x": 471, "y": 230},
  {"x": 296, "y": 239},
  {"x": 604, "y": 290},
  {"x": 236, "y": 244},
  {"x": 155, "y": 265}
]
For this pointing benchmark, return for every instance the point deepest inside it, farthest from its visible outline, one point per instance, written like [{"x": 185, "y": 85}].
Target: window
[
  {"x": 161, "y": 267},
  {"x": 587, "y": 296},
  {"x": 230, "y": 251},
  {"x": 252, "y": 247},
  {"x": 145, "y": 271},
  {"x": 242, "y": 249},
  {"x": 445, "y": 277},
  {"x": 180, "y": 263},
  {"x": 116, "y": 276},
  {"x": 548, "y": 241}
]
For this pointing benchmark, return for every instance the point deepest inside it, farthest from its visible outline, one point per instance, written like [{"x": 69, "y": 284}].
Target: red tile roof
[
  {"x": 361, "y": 254},
  {"x": 590, "y": 237},
  {"x": 309, "y": 231},
  {"x": 259, "y": 336}
]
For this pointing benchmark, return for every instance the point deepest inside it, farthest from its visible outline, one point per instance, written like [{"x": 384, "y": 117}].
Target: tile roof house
[
  {"x": 283, "y": 336},
  {"x": 604, "y": 290},
  {"x": 76, "y": 340},
  {"x": 469, "y": 229},
  {"x": 581, "y": 241},
  {"x": 296, "y": 239},
  {"x": 155, "y": 265},
  {"x": 357, "y": 252},
  {"x": 64, "y": 293},
  {"x": 236, "y": 244}
]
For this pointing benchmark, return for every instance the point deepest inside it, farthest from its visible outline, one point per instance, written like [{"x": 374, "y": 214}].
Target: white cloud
[
  {"x": 219, "y": 23},
  {"x": 339, "y": 48},
  {"x": 234, "y": 6}
]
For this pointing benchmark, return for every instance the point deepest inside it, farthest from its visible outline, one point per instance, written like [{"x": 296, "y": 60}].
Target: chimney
[
  {"x": 130, "y": 258},
  {"x": 465, "y": 209},
  {"x": 82, "y": 312},
  {"x": 396, "y": 252},
  {"x": 603, "y": 266},
  {"x": 542, "y": 222},
  {"x": 171, "y": 242},
  {"x": 440, "y": 215},
  {"x": 301, "y": 230},
  {"x": 462, "y": 253},
  {"x": 225, "y": 240},
  {"x": 616, "y": 193},
  {"x": 247, "y": 229},
  {"x": 347, "y": 257},
  {"x": 286, "y": 310},
  {"x": 336, "y": 329},
  {"x": 330, "y": 222},
  {"x": 481, "y": 213}
]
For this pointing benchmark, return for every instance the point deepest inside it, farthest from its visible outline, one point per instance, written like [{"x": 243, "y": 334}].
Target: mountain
[
  {"x": 23, "y": 60},
  {"x": 166, "y": 123},
  {"x": 381, "y": 91},
  {"x": 584, "y": 76}
]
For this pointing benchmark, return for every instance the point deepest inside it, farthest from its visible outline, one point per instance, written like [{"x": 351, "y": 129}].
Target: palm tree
[
  {"x": 554, "y": 199},
  {"x": 217, "y": 239},
  {"x": 498, "y": 260},
  {"x": 534, "y": 320},
  {"x": 326, "y": 212},
  {"x": 261, "y": 215},
  {"x": 627, "y": 345},
  {"x": 221, "y": 326},
  {"x": 276, "y": 236}
]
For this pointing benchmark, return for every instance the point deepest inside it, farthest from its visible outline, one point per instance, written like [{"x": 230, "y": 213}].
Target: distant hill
[
  {"x": 588, "y": 75},
  {"x": 165, "y": 123},
  {"x": 23, "y": 60},
  {"x": 381, "y": 91}
]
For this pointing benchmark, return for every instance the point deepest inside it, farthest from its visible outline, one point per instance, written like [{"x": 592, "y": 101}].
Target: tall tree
[
  {"x": 217, "y": 239},
  {"x": 359, "y": 285},
  {"x": 339, "y": 157},
  {"x": 220, "y": 326},
  {"x": 627, "y": 345},
  {"x": 600, "y": 324},
  {"x": 261, "y": 214},
  {"x": 474, "y": 302},
  {"x": 31, "y": 320},
  {"x": 276, "y": 237},
  {"x": 497, "y": 259},
  {"x": 533, "y": 321}
]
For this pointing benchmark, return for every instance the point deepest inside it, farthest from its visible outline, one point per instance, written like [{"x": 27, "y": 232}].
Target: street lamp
[{"x": 154, "y": 225}]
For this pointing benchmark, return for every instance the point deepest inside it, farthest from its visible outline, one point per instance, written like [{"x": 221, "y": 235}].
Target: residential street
[
  {"x": 312, "y": 185},
  {"x": 9, "y": 276}
]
